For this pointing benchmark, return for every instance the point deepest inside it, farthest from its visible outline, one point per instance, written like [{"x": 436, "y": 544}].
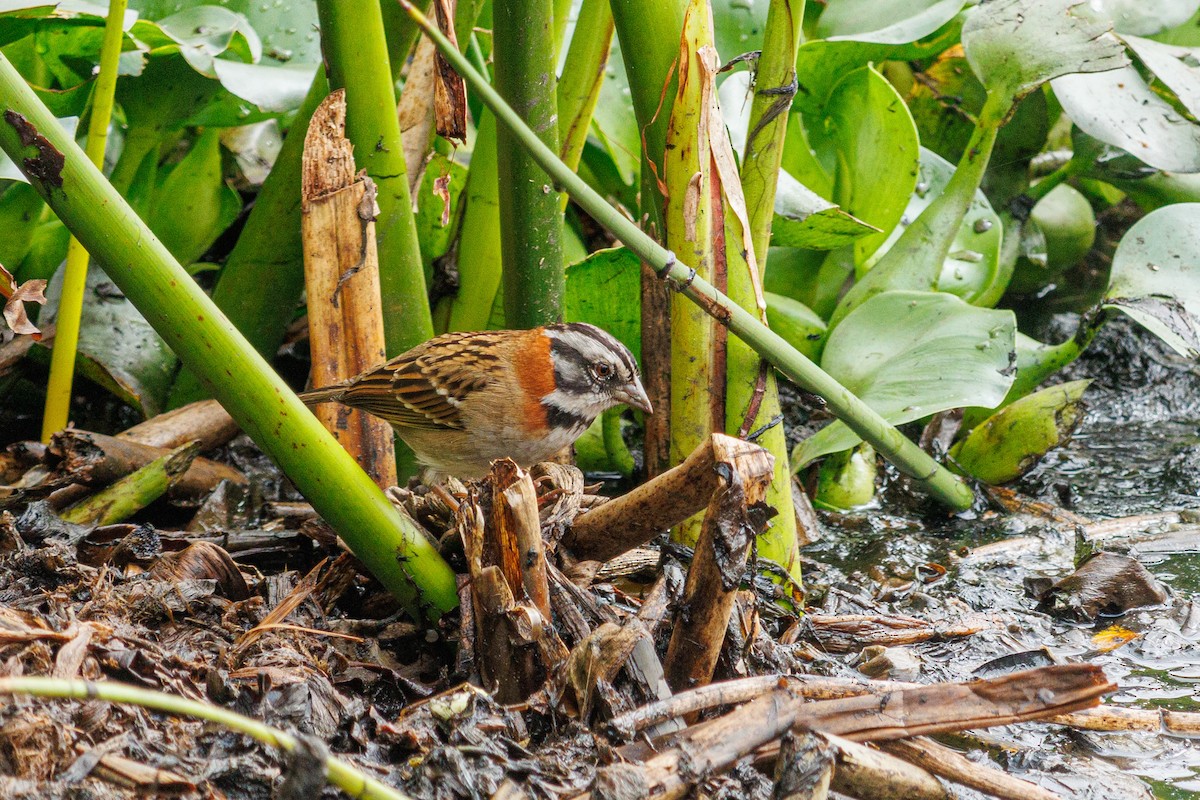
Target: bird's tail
[{"x": 327, "y": 394}]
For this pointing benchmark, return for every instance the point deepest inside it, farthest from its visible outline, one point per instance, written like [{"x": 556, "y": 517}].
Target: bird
[{"x": 464, "y": 399}]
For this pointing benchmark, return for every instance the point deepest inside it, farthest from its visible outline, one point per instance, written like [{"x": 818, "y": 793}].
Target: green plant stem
[
  {"x": 401, "y": 35},
  {"x": 649, "y": 35},
  {"x": 530, "y": 220},
  {"x": 135, "y": 491},
  {"x": 774, "y": 88},
  {"x": 268, "y": 253},
  {"x": 479, "y": 243},
  {"x": 390, "y": 545},
  {"x": 341, "y": 774},
  {"x": 582, "y": 75},
  {"x": 356, "y": 56},
  {"x": 70, "y": 304},
  {"x": 614, "y": 444},
  {"x": 858, "y": 416}
]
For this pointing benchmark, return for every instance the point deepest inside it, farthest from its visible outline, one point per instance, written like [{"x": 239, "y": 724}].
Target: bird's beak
[{"x": 634, "y": 396}]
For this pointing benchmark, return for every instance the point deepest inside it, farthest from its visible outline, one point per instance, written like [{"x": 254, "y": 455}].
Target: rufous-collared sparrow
[{"x": 462, "y": 400}]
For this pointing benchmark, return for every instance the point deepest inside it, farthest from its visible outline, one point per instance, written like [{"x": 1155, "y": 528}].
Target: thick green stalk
[
  {"x": 268, "y": 253},
  {"x": 70, "y": 305},
  {"x": 857, "y": 415},
  {"x": 582, "y": 75},
  {"x": 530, "y": 221},
  {"x": 694, "y": 228},
  {"x": 339, "y": 773},
  {"x": 401, "y": 34},
  {"x": 356, "y": 57},
  {"x": 391, "y": 546},
  {"x": 479, "y": 243},
  {"x": 774, "y": 88},
  {"x": 649, "y": 35}
]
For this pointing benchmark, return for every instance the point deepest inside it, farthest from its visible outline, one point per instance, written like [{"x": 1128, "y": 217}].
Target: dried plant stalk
[{"x": 341, "y": 272}]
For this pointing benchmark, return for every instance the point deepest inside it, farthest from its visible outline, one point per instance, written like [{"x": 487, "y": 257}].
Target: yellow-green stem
[
  {"x": 342, "y": 775},
  {"x": 70, "y": 304}
]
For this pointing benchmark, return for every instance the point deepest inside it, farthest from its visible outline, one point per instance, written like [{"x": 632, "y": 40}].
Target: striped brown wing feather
[{"x": 422, "y": 388}]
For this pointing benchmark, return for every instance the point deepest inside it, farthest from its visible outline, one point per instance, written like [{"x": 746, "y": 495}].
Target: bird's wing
[{"x": 425, "y": 388}]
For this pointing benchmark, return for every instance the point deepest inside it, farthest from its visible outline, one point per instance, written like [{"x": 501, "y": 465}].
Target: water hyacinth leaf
[
  {"x": 117, "y": 347},
  {"x": 846, "y": 480},
  {"x": 885, "y": 21},
  {"x": 796, "y": 323},
  {"x": 866, "y": 153},
  {"x": 287, "y": 30},
  {"x": 20, "y": 210},
  {"x": 1177, "y": 67},
  {"x": 805, "y": 219},
  {"x": 1014, "y": 46},
  {"x": 1145, "y": 17},
  {"x": 974, "y": 258},
  {"x": 1156, "y": 276},
  {"x": 912, "y": 354},
  {"x": 1035, "y": 362},
  {"x": 1118, "y": 107},
  {"x": 201, "y": 33},
  {"x": 738, "y": 27},
  {"x": 1066, "y": 223},
  {"x": 614, "y": 123},
  {"x": 605, "y": 290},
  {"x": 437, "y": 201},
  {"x": 1010, "y": 442},
  {"x": 273, "y": 89},
  {"x": 194, "y": 203}
]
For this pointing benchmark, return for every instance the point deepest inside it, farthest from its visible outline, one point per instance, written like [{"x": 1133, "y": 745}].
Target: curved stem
[
  {"x": 70, "y": 304},
  {"x": 338, "y": 772}
]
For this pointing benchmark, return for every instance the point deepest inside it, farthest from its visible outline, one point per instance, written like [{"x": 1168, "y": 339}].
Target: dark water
[{"x": 1137, "y": 451}]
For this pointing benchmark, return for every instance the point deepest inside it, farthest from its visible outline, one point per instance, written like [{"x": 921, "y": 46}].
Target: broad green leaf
[
  {"x": 274, "y": 89},
  {"x": 796, "y": 323},
  {"x": 738, "y": 27},
  {"x": 846, "y": 480},
  {"x": 438, "y": 209},
  {"x": 1156, "y": 276},
  {"x": 805, "y": 219},
  {"x": 885, "y": 21},
  {"x": 1014, "y": 46},
  {"x": 614, "y": 124},
  {"x": 912, "y": 354},
  {"x": 865, "y": 151},
  {"x": 1067, "y": 224},
  {"x": 1010, "y": 442},
  {"x": 286, "y": 28},
  {"x": 20, "y": 210},
  {"x": 201, "y": 33},
  {"x": 194, "y": 204},
  {"x": 974, "y": 257},
  {"x": 820, "y": 64},
  {"x": 117, "y": 347},
  {"x": 1177, "y": 67},
  {"x": 946, "y": 125},
  {"x": 1035, "y": 362},
  {"x": 605, "y": 290},
  {"x": 1145, "y": 17},
  {"x": 1119, "y": 108}
]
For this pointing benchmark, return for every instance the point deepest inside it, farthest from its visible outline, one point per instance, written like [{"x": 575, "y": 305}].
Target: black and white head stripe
[{"x": 576, "y": 345}]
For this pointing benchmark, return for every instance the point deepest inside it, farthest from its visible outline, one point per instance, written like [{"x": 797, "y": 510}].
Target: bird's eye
[{"x": 601, "y": 370}]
